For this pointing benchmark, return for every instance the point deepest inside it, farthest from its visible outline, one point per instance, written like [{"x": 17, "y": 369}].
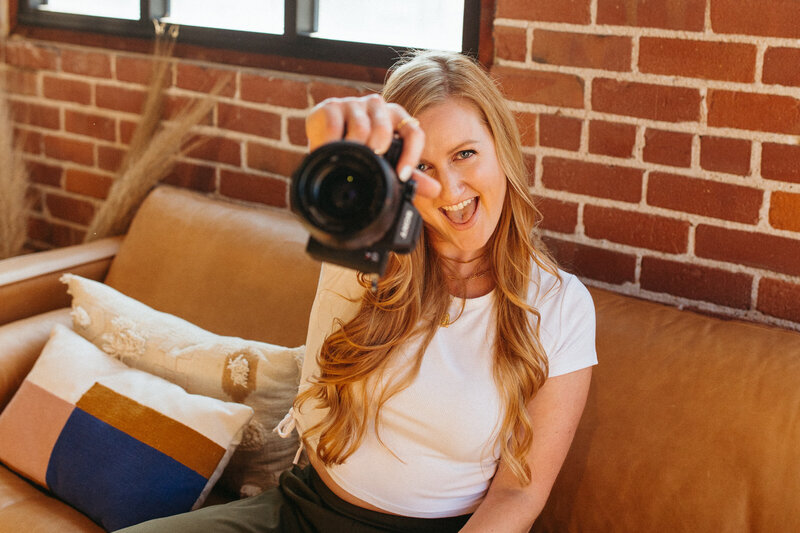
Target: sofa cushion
[
  {"x": 118, "y": 444},
  {"x": 260, "y": 375},
  {"x": 692, "y": 424},
  {"x": 230, "y": 269}
]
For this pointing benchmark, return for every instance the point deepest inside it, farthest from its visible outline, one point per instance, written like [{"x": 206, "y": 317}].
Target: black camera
[{"x": 354, "y": 206}]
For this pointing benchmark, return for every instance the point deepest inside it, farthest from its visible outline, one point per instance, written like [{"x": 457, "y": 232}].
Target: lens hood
[{"x": 346, "y": 195}]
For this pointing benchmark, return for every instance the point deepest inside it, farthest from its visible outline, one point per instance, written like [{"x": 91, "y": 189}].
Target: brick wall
[{"x": 662, "y": 137}]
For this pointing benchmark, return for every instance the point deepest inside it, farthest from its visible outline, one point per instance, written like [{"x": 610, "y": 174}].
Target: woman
[{"x": 447, "y": 399}]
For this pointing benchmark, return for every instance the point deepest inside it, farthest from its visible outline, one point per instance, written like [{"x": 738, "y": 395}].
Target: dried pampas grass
[
  {"x": 154, "y": 147},
  {"x": 13, "y": 188}
]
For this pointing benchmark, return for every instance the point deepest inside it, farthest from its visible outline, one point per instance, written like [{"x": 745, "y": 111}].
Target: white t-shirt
[{"x": 440, "y": 450}]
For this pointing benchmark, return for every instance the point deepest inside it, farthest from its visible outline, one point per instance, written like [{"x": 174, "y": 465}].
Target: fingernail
[{"x": 405, "y": 173}]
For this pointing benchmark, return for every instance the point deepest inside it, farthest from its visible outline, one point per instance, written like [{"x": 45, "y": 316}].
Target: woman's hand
[{"x": 371, "y": 121}]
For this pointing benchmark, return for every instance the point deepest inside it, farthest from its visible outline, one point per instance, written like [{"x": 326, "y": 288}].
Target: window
[{"x": 366, "y": 32}]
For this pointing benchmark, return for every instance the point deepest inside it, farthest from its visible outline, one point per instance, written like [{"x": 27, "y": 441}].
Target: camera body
[{"x": 354, "y": 206}]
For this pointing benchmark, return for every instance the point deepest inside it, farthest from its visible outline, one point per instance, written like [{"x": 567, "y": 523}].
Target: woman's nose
[{"x": 452, "y": 185}]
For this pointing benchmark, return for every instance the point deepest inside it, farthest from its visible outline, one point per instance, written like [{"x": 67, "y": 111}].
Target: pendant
[{"x": 445, "y": 321}]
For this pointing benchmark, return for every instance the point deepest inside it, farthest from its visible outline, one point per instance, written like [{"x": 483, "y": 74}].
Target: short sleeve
[{"x": 572, "y": 345}]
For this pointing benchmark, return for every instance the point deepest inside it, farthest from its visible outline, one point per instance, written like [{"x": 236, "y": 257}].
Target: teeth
[{"x": 458, "y": 206}]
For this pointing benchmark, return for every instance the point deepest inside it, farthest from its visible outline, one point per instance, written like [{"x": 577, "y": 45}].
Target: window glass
[
  {"x": 264, "y": 16},
  {"x": 121, "y": 9},
  {"x": 433, "y": 24}
]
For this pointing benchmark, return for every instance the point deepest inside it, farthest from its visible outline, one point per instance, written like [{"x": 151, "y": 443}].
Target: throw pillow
[
  {"x": 120, "y": 445},
  {"x": 260, "y": 375}
]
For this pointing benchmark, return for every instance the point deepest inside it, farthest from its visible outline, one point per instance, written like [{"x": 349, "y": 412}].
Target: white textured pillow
[{"x": 260, "y": 375}]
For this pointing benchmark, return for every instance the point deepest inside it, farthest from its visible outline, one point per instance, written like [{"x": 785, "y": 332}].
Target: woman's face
[{"x": 460, "y": 153}]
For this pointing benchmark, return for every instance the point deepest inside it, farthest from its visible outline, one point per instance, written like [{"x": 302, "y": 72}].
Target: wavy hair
[{"x": 413, "y": 295}]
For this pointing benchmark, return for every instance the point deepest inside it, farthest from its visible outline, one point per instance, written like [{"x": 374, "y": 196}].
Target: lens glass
[{"x": 346, "y": 197}]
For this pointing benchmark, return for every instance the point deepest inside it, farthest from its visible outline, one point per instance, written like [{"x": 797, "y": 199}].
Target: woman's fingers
[{"x": 372, "y": 121}]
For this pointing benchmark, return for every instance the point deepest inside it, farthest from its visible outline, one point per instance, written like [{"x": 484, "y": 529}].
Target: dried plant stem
[
  {"x": 152, "y": 164},
  {"x": 154, "y": 147},
  {"x": 13, "y": 188}
]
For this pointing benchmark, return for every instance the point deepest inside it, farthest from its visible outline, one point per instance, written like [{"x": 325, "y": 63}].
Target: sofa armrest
[
  {"x": 29, "y": 284},
  {"x": 21, "y": 342}
]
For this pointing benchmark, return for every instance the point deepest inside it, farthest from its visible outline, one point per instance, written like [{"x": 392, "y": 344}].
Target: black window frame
[{"x": 300, "y": 18}]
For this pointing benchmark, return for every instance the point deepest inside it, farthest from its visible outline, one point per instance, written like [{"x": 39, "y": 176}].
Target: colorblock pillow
[
  {"x": 260, "y": 375},
  {"x": 120, "y": 445}
]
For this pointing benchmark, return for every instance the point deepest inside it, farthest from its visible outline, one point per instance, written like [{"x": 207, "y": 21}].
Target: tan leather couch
[{"x": 692, "y": 424}]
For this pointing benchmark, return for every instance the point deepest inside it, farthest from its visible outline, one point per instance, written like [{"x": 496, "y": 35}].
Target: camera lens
[{"x": 344, "y": 195}]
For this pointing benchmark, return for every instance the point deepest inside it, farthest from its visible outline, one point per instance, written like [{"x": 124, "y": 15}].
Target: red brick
[
  {"x": 94, "y": 64},
  {"x": 510, "y": 43},
  {"x": 750, "y": 111},
  {"x": 22, "y": 82},
  {"x": 203, "y": 79},
  {"x": 636, "y": 229},
  {"x": 87, "y": 183},
  {"x": 249, "y": 120},
  {"x": 70, "y": 209},
  {"x": 139, "y": 70},
  {"x": 217, "y": 149},
  {"x": 784, "y": 211},
  {"x": 696, "y": 282},
  {"x": 780, "y": 162},
  {"x": 782, "y": 66},
  {"x": 29, "y": 142},
  {"x": 67, "y": 90},
  {"x": 593, "y": 179},
  {"x": 698, "y": 59},
  {"x": 611, "y": 138},
  {"x": 296, "y": 128},
  {"x": 273, "y": 160},
  {"x": 57, "y": 235},
  {"x": 530, "y": 168},
  {"x": 90, "y": 124},
  {"x": 109, "y": 158},
  {"x": 252, "y": 188},
  {"x": 190, "y": 176},
  {"x": 668, "y": 148},
  {"x": 668, "y": 14},
  {"x": 557, "y": 215},
  {"x": 45, "y": 174},
  {"x": 593, "y": 262},
  {"x": 606, "y": 52},
  {"x": 274, "y": 91},
  {"x": 69, "y": 150},
  {"x": 780, "y": 18},
  {"x": 560, "y": 132},
  {"x": 759, "y": 250},
  {"x": 35, "y": 115},
  {"x": 538, "y": 87},
  {"x": 175, "y": 106},
  {"x": 574, "y": 11},
  {"x": 320, "y": 91},
  {"x": 703, "y": 197},
  {"x": 720, "y": 154},
  {"x": 780, "y": 299},
  {"x": 25, "y": 54},
  {"x": 120, "y": 98},
  {"x": 656, "y": 102},
  {"x": 526, "y": 122},
  {"x": 126, "y": 130}
]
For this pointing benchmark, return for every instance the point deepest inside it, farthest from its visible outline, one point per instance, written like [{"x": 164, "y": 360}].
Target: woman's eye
[
  {"x": 422, "y": 167},
  {"x": 465, "y": 154}
]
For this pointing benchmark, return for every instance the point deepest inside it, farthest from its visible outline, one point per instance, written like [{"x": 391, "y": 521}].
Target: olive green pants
[{"x": 301, "y": 503}]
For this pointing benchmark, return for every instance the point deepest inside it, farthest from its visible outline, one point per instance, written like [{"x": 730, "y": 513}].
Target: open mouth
[{"x": 461, "y": 212}]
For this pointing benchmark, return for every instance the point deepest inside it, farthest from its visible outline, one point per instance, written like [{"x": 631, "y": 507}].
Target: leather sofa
[{"x": 692, "y": 423}]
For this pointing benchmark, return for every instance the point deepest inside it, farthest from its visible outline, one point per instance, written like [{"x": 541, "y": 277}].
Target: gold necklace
[{"x": 445, "y": 320}]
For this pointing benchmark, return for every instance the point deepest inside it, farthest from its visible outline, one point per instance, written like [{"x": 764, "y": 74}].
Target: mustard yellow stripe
[{"x": 158, "y": 431}]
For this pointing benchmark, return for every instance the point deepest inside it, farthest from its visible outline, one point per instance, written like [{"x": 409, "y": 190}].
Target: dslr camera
[{"x": 354, "y": 206}]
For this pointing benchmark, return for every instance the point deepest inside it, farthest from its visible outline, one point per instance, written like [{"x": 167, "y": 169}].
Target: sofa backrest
[
  {"x": 230, "y": 269},
  {"x": 692, "y": 424}
]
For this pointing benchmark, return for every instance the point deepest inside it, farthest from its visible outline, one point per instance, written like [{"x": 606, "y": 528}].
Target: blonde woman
[{"x": 447, "y": 399}]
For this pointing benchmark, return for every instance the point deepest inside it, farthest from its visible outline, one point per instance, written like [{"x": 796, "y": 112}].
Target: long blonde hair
[{"x": 413, "y": 294}]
